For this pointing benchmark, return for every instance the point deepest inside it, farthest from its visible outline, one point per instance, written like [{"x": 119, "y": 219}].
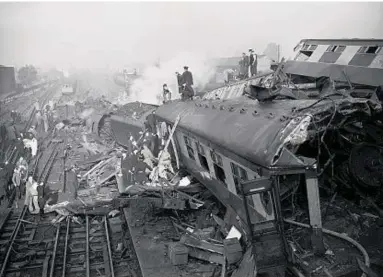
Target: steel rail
[
  {"x": 87, "y": 248},
  {"x": 12, "y": 240},
  {"x": 36, "y": 164},
  {"x": 48, "y": 172},
  {"x": 66, "y": 246},
  {"x": 54, "y": 251},
  {"x": 109, "y": 246},
  {"x": 5, "y": 220},
  {"x": 47, "y": 165}
]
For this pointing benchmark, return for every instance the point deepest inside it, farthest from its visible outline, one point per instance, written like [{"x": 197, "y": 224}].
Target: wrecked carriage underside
[{"x": 343, "y": 134}]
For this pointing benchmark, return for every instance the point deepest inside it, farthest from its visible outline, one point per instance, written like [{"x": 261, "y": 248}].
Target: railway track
[
  {"x": 31, "y": 245},
  {"x": 92, "y": 247}
]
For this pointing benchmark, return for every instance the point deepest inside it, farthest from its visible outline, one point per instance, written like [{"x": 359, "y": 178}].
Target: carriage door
[{"x": 266, "y": 235}]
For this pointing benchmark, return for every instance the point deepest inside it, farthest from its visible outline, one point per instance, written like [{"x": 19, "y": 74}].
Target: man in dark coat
[
  {"x": 3, "y": 183},
  {"x": 187, "y": 78},
  {"x": 243, "y": 66},
  {"x": 141, "y": 170},
  {"x": 180, "y": 82},
  {"x": 152, "y": 122},
  {"x": 253, "y": 59}
]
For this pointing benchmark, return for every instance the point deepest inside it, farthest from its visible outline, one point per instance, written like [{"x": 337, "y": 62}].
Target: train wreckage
[
  {"x": 267, "y": 138},
  {"x": 276, "y": 175}
]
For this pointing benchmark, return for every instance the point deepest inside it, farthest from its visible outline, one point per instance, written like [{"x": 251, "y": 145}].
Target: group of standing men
[
  {"x": 43, "y": 117},
  {"x": 248, "y": 65},
  {"x": 185, "y": 86}
]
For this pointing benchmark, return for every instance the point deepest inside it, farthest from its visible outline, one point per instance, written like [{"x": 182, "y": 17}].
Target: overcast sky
[{"x": 95, "y": 35}]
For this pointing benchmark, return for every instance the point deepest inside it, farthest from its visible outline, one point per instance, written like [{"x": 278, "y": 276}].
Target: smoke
[{"x": 148, "y": 88}]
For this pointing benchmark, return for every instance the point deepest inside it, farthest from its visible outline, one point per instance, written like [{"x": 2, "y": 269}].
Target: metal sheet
[
  {"x": 347, "y": 54},
  {"x": 318, "y": 53},
  {"x": 378, "y": 61},
  {"x": 123, "y": 127}
]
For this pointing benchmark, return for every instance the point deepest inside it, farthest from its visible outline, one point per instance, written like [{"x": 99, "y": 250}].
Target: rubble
[{"x": 107, "y": 173}]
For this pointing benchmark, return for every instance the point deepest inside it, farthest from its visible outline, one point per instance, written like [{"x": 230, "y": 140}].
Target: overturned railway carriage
[
  {"x": 351, "y": 62},
  {"x": 244, "y": 149},
  {"x": 129, "y": 121}
]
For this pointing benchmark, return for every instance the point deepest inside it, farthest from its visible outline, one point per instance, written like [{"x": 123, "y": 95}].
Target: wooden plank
[
  {"x": 206, "y": 255},
  {"x": 201, "y": 244},
  {"x": 174, "y": 148}
]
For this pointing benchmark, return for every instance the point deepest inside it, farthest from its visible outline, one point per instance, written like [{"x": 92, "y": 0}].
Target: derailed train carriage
[
  {"x": 242, "y": 148},
  {"x": 271, "y": 147},
  {"x": 252, "y": 151}
]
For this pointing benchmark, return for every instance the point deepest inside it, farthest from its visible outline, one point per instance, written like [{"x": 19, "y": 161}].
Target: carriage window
[
  {"x": 372, "y": 49},
  {"x": 340, "y": 48},
  {"x": 217, "y": 159},
  {"x": 331, "y": 48},
  {"x": 267, "y": 205},
  {"x": 202, "y": 156},
  {"x": 218, "y": 166},
  {"x": 189, "y": 148},
  {"x": 362, "y": 49},
  {"x": 313, "y": 47},
  {"x": 238, "y": 174}
]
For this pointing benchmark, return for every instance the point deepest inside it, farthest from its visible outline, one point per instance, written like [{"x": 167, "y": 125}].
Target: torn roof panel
[{"x": 236, "y": 89}]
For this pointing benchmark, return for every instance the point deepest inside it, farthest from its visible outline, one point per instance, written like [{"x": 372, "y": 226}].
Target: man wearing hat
[
  {"x": 187, "y": 78},
  {"x": 243, "y": 66},
  {"x": 253, "y": 60}
]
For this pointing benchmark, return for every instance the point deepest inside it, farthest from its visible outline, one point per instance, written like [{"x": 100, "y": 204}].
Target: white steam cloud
[{"x": 148, "y": 88}]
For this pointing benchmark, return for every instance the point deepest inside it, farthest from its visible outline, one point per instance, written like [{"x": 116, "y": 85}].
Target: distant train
[{"x": 69, "y": 88}]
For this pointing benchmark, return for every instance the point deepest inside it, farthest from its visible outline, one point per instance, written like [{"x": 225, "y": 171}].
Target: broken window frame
[
  {"x": 189, "y": 147},
  {"x": 218, "y": 166},
  {"x": 340, "y": 48},
  {"x": 238, "y": 173},
  {"x": 202, "y": 156},
  {"x": 312, "y": 47},
  {"x": 377, "y": 49},
  {"x": 306, "y": 51},
  {"x": 362, "y": 49},
  {"x": 365, "y": 49},
  {"x": 216, "y": 158},
  {"x": 332, "y": 48}
]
